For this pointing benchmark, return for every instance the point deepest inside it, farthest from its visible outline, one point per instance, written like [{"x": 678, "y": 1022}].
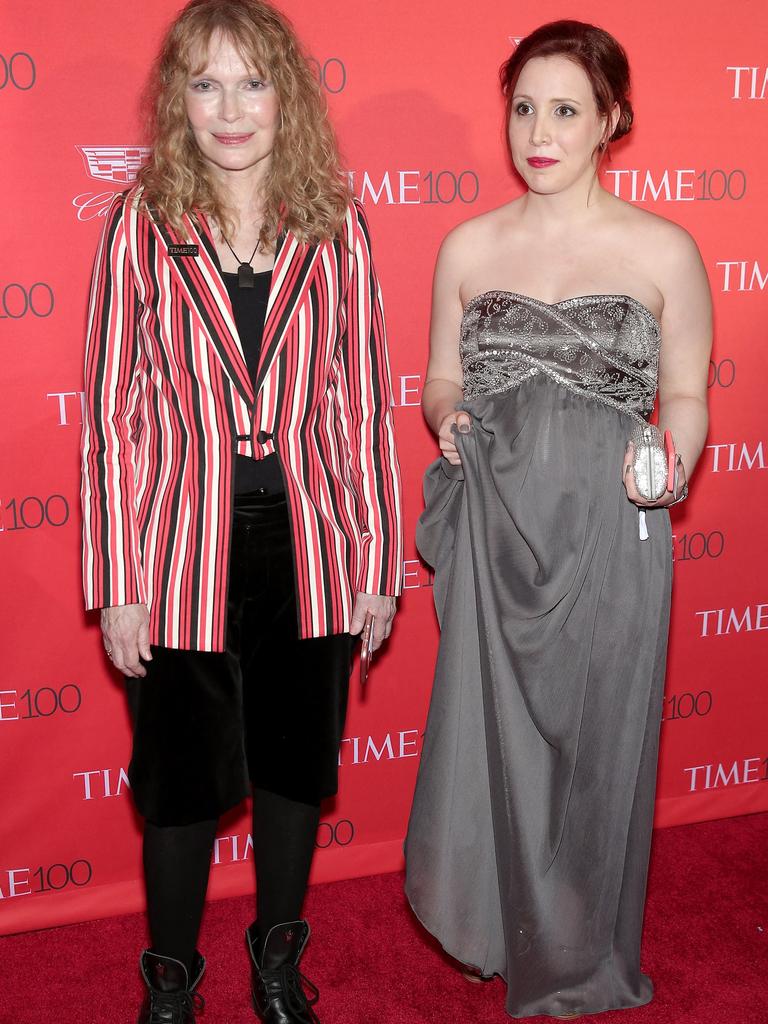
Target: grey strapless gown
[{"x": 528, "y": 844}]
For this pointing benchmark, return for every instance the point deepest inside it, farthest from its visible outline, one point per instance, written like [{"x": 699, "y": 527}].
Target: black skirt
[{"x": 268, "y": 711}]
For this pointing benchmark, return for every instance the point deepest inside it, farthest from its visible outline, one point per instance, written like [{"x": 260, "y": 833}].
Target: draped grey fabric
[{"x": 528, "y": 843}]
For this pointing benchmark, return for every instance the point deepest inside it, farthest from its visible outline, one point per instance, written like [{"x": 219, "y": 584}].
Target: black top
[{"x": 249, "y": 307}]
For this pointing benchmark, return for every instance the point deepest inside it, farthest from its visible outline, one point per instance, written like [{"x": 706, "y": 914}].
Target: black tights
[
  {"x": 284, "y": 833},
  {"x": 176, "y": 863},
  {"x": 177, "y": 859}
]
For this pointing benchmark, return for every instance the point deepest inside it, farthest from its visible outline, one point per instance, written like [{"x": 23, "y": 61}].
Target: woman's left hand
[
  {"x": 383, "y": 610},
  {"x": 628, "y": 479}
]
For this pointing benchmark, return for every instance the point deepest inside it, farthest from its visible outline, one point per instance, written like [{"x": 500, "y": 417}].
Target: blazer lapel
[
  {"x": 295, "y": 263},
  {"x": 200, "y": 279}
]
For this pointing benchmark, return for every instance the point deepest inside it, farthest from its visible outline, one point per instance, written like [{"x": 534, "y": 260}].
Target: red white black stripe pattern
[{"x": 167, "y": 393}]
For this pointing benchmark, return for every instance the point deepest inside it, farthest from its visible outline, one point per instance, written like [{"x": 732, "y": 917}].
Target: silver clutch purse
[{"x": 651, "y": 462}]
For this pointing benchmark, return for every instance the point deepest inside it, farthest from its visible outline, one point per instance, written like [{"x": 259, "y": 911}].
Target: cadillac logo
[{"x": 114, "y": 163}]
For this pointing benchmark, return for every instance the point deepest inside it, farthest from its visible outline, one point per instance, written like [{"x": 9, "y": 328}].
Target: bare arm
[
  {"x": 685, "y": 350},
  {"x": 686, "y": 328},
  {"x": 443, "y": 385}
]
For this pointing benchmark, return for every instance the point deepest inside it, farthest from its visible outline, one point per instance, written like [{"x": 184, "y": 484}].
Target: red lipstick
[
  {"x": 541, "y": 161},
  {"x": 232, "y": 140}
]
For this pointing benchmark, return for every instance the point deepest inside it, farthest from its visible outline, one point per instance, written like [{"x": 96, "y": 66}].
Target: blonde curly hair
[{"x": 304, "y": 189}]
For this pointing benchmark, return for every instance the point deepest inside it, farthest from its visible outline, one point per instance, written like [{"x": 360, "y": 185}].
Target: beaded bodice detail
[{"x": 601, "y": 346}]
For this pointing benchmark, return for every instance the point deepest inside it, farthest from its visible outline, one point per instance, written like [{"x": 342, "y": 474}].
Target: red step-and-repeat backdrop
[{"x": 413, "y": 93}]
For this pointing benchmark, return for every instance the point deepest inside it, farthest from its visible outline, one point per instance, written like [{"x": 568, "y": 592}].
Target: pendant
[{"x": 245, "y": 276}]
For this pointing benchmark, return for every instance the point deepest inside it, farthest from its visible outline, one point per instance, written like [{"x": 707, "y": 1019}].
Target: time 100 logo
[
  {"x": 17, "y": 72},
  {"x": 18, "y": 300},
  {"x": 416, "y": 188}
]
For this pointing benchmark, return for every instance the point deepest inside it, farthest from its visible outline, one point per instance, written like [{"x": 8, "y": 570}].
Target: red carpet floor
[{"x": 705, "y": 946}]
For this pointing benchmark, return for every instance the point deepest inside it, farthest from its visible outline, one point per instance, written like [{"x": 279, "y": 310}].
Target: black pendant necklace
[{"x": 245, "y": 275}]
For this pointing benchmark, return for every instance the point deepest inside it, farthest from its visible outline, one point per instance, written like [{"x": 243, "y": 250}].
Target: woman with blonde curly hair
[{"x": 241, "y": 504}]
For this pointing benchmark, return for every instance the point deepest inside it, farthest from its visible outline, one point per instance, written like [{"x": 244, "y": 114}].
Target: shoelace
[
  {"x": 178, "y": 1003},
  {"x": 292, "y": 983}
]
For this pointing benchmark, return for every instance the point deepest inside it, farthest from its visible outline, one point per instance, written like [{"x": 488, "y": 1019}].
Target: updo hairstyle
[{"x": 597, "y": 53}]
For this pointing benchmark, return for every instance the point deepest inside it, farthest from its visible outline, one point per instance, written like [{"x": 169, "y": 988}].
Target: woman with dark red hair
[{"x": 557, "y": 319}]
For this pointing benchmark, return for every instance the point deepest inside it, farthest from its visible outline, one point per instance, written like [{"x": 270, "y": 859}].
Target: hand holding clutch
[{"x": 655, "y": 468}]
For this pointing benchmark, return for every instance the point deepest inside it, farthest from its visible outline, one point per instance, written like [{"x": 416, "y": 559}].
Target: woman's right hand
[
  {"x": 125, "y": 629},
  {"x": 463, "y": 422}
]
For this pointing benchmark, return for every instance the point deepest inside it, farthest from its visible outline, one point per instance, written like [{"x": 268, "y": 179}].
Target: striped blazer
[{"x": 169, "y": 402}]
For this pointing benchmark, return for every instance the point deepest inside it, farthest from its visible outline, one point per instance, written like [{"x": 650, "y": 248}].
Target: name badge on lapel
[{"x": 183, "y": 250}]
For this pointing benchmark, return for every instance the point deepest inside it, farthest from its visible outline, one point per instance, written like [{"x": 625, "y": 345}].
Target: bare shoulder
[
  {"x": 669, "y": 256},
  {"x": 665, "y": 243},
  {"x": 468, "y": 241}
]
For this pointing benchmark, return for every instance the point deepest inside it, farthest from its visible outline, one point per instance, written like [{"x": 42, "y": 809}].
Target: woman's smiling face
[{"x": 233, "y": 111}]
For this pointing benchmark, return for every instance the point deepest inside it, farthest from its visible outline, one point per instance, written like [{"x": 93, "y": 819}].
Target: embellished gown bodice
[{"x": 606, "y": 346}]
